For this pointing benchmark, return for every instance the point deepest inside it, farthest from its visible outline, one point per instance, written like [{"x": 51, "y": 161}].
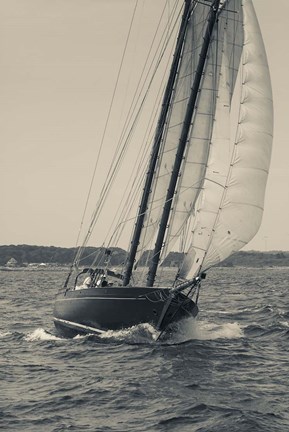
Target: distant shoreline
[{"x": 22, "y": 256}]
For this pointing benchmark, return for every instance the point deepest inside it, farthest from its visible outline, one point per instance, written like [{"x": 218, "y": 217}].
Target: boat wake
[
  {"x": 142, "y": 333},
  {"x": 41, "y": 334},
  {"x": 203, "y": 330},
  {"x": 189, "y": 329},
  {"x": 183, "y": 332}
]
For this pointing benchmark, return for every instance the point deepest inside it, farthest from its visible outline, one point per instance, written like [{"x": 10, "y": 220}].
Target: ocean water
[{"x": 227, "y": 371}]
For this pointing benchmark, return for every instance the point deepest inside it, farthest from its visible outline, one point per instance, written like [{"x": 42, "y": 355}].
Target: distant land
[{"x": 23, "y": 255}]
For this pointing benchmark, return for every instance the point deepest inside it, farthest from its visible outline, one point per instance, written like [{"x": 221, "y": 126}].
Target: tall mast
[
  {"x": 157, "y": 144},
  {"x": 182, "y": 143}
]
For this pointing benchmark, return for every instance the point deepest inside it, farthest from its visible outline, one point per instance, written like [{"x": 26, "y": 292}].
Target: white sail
[
  {"x": 192, "y": 174},
  {"x": 229, "y": 212},
  {"x": 174, "y": 124}
]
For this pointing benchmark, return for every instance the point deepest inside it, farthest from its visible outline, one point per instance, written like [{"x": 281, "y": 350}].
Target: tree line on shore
[{"x": 27, "y": 254}]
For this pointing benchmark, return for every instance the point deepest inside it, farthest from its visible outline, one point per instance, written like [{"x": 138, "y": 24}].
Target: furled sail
[{"x": 230, "y": 207}]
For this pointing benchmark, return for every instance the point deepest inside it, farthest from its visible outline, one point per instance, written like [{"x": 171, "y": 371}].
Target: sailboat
[{"x": 204, "y": 186}]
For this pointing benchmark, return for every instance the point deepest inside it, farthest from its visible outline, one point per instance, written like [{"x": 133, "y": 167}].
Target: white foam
[
  {"x": 203, "y": 330},
  {"x": 83, "y": 336},
  {"x": 4, "y": 334},
  {"x": 284, "y": 324},
  {"x": 189, "y": 329},
  {"x": 225, "y": 331},
  {"x": 40, "y": 335},
  {"x": 137, "y": 334}
]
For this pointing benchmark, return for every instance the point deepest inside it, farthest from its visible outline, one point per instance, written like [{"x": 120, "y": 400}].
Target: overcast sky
[{"x": 58, "y": 62}]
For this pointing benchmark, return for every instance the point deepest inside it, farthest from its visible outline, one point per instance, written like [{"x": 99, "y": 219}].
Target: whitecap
[
  {"x": 4, "y": 334},
  {"x": 202, "y": 330},
  {"x": 142, "y": 333},
  {"x": 211, "y": 331},
  {"x": 40, "y": 335},
  {"x": 83, "y": 336},
  {"x": 284, "y": 324}
]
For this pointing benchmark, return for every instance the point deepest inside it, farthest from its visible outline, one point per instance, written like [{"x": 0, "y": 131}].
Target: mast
[
  {"x": 157, "y": 143},
  {"x": 182, "y": 143}
]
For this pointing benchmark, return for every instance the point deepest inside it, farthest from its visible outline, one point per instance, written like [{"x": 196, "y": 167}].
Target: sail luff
[
  {"x": 182, "y": 143},
  {"x": 156, "y": 145}
]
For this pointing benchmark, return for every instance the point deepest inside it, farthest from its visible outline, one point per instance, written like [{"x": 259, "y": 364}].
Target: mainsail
[
  {"x": 219, "y": 195},
  {"x": 174, "y": 124}
]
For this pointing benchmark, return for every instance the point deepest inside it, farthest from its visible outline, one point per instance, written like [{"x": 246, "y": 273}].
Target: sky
[{"x": 58, "y": 66}]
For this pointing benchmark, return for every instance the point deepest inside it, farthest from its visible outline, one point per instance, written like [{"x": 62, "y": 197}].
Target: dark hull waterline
[{"x": 97, "y": 310}]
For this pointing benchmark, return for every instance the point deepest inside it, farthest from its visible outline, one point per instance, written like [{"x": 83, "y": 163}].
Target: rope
[
  {"x": 104, "y": 132},
  {"x": 117, "y": 162}
]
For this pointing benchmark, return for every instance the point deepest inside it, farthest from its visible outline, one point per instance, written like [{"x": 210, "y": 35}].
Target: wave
[
  {"x": 204, "y": 330},
  {"x": 142, "y": 333},
  {"x": 40, "y": 334},
  {"x": 284, "y": 324},
  {"x": 4, "y": 334},
  {"x": 187, "y": 330}
]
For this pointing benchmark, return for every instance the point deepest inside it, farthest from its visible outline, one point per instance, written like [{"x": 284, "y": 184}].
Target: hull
[{"x": 97, "y": 310}]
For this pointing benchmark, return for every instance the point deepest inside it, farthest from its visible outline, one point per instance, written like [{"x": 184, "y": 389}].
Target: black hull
[{"x": 96, "y": 310}]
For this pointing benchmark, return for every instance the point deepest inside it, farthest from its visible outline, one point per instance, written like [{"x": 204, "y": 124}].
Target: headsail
[{"x": 229, "y": 215}]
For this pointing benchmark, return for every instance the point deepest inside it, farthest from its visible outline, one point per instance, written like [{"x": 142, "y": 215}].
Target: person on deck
[
  {"x": 102, "y": 282},
  {"x": 86, "y": 283}
]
